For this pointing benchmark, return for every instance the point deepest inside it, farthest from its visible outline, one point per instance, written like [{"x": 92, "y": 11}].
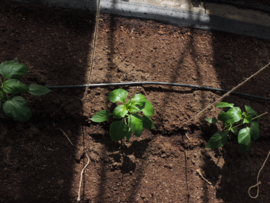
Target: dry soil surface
[{"x": 37, "y": 162}]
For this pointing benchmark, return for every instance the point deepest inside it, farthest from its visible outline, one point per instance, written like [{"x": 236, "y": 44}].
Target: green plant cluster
[
  {"x": 129, "y": 113},
  {"x": 230, "y": 121},
  {"x": 15, "y": 106},
  {"x": 130, "y": 116}
]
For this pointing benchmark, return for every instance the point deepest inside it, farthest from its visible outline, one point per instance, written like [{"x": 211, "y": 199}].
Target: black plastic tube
[{"x": 156, "y": 83}]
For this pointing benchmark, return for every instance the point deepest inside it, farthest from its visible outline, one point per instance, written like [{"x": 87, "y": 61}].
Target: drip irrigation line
[{"x": 156, "y": 83}]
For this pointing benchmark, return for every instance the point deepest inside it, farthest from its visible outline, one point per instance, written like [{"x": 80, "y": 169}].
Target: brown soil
[{"x": 37, "y": 162}]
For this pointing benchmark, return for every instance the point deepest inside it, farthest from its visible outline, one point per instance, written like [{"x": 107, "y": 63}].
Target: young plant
[
  {"x": 15, "y": 106},
  {"x": 231, "y": 120},
  {"x": 129, "y": 115}
]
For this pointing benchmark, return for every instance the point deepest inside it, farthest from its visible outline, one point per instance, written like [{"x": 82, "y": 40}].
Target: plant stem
[
  {"x": 230, "y": 127},
  {"x": 133, "y": 94},
  {"x": 226, "y": 127},
  {"x": 121, "y": 147}
]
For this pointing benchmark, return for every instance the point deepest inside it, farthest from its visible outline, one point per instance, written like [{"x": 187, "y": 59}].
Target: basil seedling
[
  {"x": 15, "y": 106},
  {"x": 131, "y": 116},
  {"x": 230, "y": 121}
]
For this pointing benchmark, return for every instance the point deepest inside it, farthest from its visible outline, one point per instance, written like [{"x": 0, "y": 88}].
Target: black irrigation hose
[{"x": 156, "y": 83}]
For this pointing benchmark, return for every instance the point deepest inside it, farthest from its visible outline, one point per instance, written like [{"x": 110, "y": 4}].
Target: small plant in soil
[
  {"x": 131, "y": 116},
  {"x": 15, "y": 106},
  {"x": 230, "y": 121}
]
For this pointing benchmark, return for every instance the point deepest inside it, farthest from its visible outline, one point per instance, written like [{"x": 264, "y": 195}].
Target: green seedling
[
  {"x": 15, "y": 106},
  {"x": 230, "y": 121},
  {"x": 131, "y": 116}
]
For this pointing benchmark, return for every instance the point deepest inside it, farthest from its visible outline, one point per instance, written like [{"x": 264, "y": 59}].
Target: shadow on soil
[
  {"x": 230, "y": 171},
  {"x": 47, "y": 40},
  {"x": 235, "y": 58}
]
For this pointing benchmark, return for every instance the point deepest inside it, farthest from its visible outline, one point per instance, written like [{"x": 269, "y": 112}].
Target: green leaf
[
  {"x": 250, "y": 110},
  {"x": 255, "y": 129},
  {"x": 118, "y": 95},
  {"x": 245, "y": 148},
  {"x": 219, "y": 139},
  {"x": 118, "y": 130},
  {"x": 17, "y": 108},
  {"x": 133, "y": 109},
  {"x": 244, "y": 136},
  {"x": 224, "y": 104},
  {"x": 247, "y": 117},
  {"x": 38, "y": 90},
  {"x": 101, "y": 116},
  {"x": 139, "y": 101},
  {"x": 233, "y": 115},
  {"x": 13, "y": 69},
  {"x": 128, "y": 104},
  {"x": 245, "y": 120},
  {"x": 148, "y": 123},
  {"x": 120, "y": 111},
  {"x": 2, "y": 96},
  {"x": 136, "y": 124},
  {"x": 234, "y": 130},
  {"x": 211, "y": 120},
  {"x": 148, "y": 109},
  {"x": 14, "y": 86}
]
